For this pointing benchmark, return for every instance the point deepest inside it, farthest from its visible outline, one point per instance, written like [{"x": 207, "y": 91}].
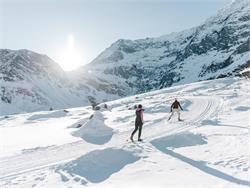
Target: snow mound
[
  {"x": 95, "y": 131},
  {"x": 98, "y": 165},
  {"x": 79, "y": 123},
  {"x": 55, "y": 114}
]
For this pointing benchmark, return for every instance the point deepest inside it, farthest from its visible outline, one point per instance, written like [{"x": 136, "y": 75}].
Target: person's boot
[
  {"x": 131, "y": 138},
  {"x": 169, "y": 118},
  {"x": 139, "y": 139}
]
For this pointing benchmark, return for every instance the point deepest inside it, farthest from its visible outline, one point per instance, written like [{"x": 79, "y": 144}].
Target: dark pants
[{"x": 136, "y": 128}]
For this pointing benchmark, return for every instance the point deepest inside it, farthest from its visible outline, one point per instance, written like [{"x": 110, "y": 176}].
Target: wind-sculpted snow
[{"x": 94, "y": 130}]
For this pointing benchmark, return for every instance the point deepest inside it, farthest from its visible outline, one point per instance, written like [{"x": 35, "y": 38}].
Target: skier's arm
[
  {"x": 142, "y": 116},
  {"x": 180, "y": 106},
  {"x": 171, "y": 107}
]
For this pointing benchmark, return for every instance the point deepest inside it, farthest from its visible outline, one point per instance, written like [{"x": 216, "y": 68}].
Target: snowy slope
[{"x": 209, "y": 149}]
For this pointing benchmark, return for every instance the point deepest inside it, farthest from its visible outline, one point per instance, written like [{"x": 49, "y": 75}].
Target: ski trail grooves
[
  {"x": 201, "y": 108},
  {"x": 209, "y": 109}
]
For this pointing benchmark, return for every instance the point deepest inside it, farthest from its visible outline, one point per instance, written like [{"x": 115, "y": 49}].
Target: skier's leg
[
  {"x": 139, "y": 133},
  {"x": 132, "y": 135},
  {"x": 172, "y": 113},
  {"x": 179, "y": 114}
]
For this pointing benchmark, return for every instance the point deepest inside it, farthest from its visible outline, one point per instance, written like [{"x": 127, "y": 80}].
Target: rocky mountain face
[{"x": 218, "y": 48}]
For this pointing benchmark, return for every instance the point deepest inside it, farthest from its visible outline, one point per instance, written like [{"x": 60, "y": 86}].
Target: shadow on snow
[
  {"x": 190, "y": 139},
  {"x": 98, "y": 165}
]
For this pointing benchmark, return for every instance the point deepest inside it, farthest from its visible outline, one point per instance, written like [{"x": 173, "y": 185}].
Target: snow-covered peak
[
  {"x": 236, "y": 11},
  {"x": 217, "y": 48},
  {"x": 235, "y": 14},
  {"x": 239, "y": 4},
  {"x": 26, "y": 59}
]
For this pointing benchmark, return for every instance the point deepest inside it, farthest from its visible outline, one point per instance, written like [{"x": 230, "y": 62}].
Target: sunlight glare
[{"x": 70, "y": 58}]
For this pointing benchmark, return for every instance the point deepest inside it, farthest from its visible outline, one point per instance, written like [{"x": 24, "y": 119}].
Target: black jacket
[{"x": 176, "y": 105}]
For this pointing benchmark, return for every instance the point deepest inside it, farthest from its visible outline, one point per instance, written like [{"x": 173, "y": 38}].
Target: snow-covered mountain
[
  {"x": 218, "y": 48},
  {"x": 31, "y": 82},
  {"x": 210, "y": 148}
]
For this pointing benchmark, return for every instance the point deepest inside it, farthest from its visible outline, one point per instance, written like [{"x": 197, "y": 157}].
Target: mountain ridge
[
  {"x": 217, "y": 36},
  {"x": 220, "y": 47}
]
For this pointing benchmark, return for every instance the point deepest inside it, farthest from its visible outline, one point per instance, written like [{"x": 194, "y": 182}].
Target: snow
[
  {"x": 94, "y": 130},
  {"x": 210, "y": 148},
  {"x": 34, "y": 130}
]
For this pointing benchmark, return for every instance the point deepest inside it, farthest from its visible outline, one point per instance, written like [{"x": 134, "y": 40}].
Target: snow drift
[{"x": 94, "y": 130}]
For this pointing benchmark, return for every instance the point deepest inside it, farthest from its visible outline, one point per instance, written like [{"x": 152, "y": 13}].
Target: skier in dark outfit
[
  {"x": 138, "y": 122},
  {"x": 175, "y": 107}
]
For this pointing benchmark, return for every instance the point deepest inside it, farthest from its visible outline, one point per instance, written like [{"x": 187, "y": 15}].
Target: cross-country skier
[
  {"x": 138, "y": 122},
  {"x": 175, "y": 108}
]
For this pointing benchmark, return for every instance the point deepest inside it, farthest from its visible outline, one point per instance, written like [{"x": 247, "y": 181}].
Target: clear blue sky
[{"x": 44, "y": 26}]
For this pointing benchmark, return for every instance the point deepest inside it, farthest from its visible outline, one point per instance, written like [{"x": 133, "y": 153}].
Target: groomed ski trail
[{"x": 200, "y": 109}]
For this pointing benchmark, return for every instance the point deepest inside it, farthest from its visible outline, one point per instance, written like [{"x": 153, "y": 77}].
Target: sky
[{"x": 74, "y": 32}]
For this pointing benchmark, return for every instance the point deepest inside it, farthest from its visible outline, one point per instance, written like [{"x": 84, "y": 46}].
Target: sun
[{"x": 70, "y": 58}]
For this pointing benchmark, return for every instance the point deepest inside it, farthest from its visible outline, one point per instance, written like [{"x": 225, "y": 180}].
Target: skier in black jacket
[
  {"x": 138, "y": 122},
  {"x": 175, "y": 107}
]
